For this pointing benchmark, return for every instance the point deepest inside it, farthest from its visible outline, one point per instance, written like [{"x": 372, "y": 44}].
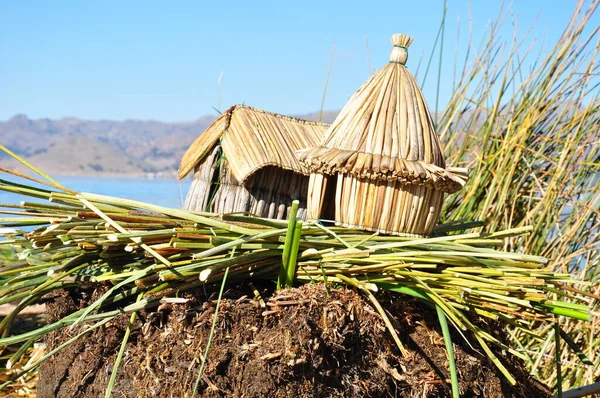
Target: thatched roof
[
  {"x": 252, "y": 138},
  {"x": 385, "y": 132}
]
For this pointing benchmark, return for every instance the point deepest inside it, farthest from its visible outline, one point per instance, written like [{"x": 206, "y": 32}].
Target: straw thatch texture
[
  {"x": 252, "y": 138},
  {"x": 245, "y": 161},
  {"x": 389, "y": 161}
]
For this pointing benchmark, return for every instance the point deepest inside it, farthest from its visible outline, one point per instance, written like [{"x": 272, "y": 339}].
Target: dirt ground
[{"x": 305, "y": 342}]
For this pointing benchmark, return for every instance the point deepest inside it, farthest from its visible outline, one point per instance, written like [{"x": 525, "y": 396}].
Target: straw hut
[
  {"x": 381, "y": 162},
  {"x": 245, "y": 162}
]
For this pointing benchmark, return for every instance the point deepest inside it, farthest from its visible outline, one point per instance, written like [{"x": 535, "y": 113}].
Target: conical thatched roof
[
  {"x": 251, "y": 139},
  {"x": 385, "y": 132}
]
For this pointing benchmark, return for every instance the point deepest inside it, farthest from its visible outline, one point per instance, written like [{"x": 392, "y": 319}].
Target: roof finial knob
[{"x": 399, "y": 53}]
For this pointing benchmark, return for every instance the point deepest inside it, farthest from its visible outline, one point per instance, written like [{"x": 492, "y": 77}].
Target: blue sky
[{"x": 161, "y": 60}]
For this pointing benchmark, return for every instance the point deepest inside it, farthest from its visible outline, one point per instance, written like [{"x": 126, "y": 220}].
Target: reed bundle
[{"x": 147, "y": 252}]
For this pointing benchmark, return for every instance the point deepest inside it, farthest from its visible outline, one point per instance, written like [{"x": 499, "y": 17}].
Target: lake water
[{"x": 161, "y": 191}]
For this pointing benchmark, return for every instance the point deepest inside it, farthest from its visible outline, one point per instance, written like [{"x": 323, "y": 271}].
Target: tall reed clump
[{"x": 531, "y": 139}]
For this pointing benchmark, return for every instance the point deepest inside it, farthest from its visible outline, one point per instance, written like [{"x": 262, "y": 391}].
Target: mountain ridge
[{"x": 132, "y": 148}]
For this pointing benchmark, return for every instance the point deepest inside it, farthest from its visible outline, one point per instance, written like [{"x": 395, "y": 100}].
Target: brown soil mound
[{"x": 307, "y": 342}]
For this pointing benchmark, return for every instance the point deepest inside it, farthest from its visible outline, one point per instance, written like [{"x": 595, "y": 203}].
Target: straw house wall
[{"x": 245, "y": 162}]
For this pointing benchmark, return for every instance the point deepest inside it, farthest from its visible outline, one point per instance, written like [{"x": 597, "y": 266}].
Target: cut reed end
[
  {"x": 399, "y": 53},
  {"x": 400, "y": 39}
]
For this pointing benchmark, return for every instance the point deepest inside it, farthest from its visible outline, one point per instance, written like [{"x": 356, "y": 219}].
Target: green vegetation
[
  {"x": 530, "y": 138},
  {"x": 81, "y": 238}
]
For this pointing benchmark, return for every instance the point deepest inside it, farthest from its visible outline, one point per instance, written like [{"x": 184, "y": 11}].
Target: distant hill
[{"x": 71, "y": 146}]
